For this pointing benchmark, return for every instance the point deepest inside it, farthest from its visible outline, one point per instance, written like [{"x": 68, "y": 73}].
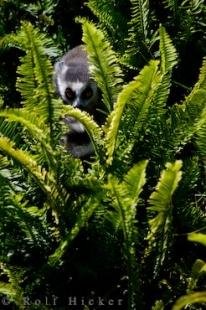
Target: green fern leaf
[
  {"x": 138, "y": 28},
  {"x": 82, "y": 219},
  {"x": 138, "y": 94},
  {"x": 7, "y": 289},
  {"x": 167, "y": 52},
  {"x": 201, "y": 82},
  {"x": 159, "y": 305},
  {"x": 156, "y": 127},
  {"x": 12, "y": 295},
  {"x": 198, "y": 270},
  {"x": 134, "y": 188},
  {"x": 197, "y": 237},
  {"x": 44, "y": 179},
  {"x": 35, "y": 75},
  {"x": 103, "y": 11},
  {"x": 139, "y": 21},
  {"x": 161, "y": 198},
  {"x": 188, "y": 118},
  {"x": 27, "y": 161},
  {"x": 161, "y": 203},
  {"x": 28, "y": 120},
  {"x": 173, "y": 5},
  {"x": 112, "y": 19},
  {"x": 125, "y": 197},
  {"x": 168, "y": 56},
  {"x": 104, "y": 63},
  {"x": 13, "y": 290},
  {"x": 193, "y": 298}
]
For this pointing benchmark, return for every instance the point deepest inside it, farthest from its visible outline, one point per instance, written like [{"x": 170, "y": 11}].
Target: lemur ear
[{"x": 58, "y": 66}]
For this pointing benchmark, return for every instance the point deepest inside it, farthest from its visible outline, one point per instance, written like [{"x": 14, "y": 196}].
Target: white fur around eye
[{"x": 62, "y": 85}]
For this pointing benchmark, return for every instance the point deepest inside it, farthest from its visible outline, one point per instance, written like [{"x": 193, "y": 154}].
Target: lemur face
[
  {"x": 73, "y": 81},
  {"x": 82, "y": 95}
]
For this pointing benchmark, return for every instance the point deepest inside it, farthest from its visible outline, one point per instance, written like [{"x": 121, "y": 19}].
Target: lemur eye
[
  {"x": 69, "y": 93},
  {"x": 87, "y": 93}
]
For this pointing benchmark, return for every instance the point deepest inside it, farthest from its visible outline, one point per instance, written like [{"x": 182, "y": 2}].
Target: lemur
[{"x": 75, "y": 86}]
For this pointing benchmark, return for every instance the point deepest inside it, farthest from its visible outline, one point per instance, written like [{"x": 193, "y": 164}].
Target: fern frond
[
  {"x": 7, "y": 187},
  {"x": 194, "y": 16},
  {"x": 195, "y": 6},
  {"x": 192, "y": 8},
  {"x": 161, "y": 202},
  {"x": 161, "y": 198},
  {"x": 13, "y": 290},
  {"x": 197, "y": 237},
  {"x": 190, "y": 299},
  {"x": 7, "y": 290},
  {"x": 173, "y": 5},
  {"x": 125, "y": 197},
  {"x": 10, "y": 130},
  {"x": 20, "y": 41},
  {"x": 137, "y": 38},
  {"x": 168, "y": 59},
  {"x": 189, "y": 197},
  {"x": 198, "y": 269},
  {"x": 139, "y": 20},
  {"x": 30, "y": 223},
  {"x": 46, "y": 180},
  {"x": 4, "y": 162},
  {"x": 82, "y": 220},
  {"x": 167, "y": 52},
  {"x": 116, "y": 115},
  {"x": 134, "y": 188},
  {"x": 155, "y": 131},
  {"x": 188, "y": 118},
  {"x": 94, "y": 131},
  {"x": 104, "y": 63},
  {"x": 111, "y": 19},
  {"x": 27, "y": 119},
  {"x": 201, "y": 82},
  {"x": 138, "y": 95},
  {"x": 35, "y": 75},
  {"x": 159, "y": 305},
  {"x": 37, "y": 131},
  {"x": 27, "y": 161},
  {"x": 26, "y": 221}
]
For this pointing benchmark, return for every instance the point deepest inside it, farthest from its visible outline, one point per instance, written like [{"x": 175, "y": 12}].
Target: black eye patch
[
  {"x": 87, "y": 93},
  {"x": 69, "y": 93}
]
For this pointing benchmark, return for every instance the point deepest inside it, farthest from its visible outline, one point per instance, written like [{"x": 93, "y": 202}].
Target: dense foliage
[{"x": 116, "y": 231}]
